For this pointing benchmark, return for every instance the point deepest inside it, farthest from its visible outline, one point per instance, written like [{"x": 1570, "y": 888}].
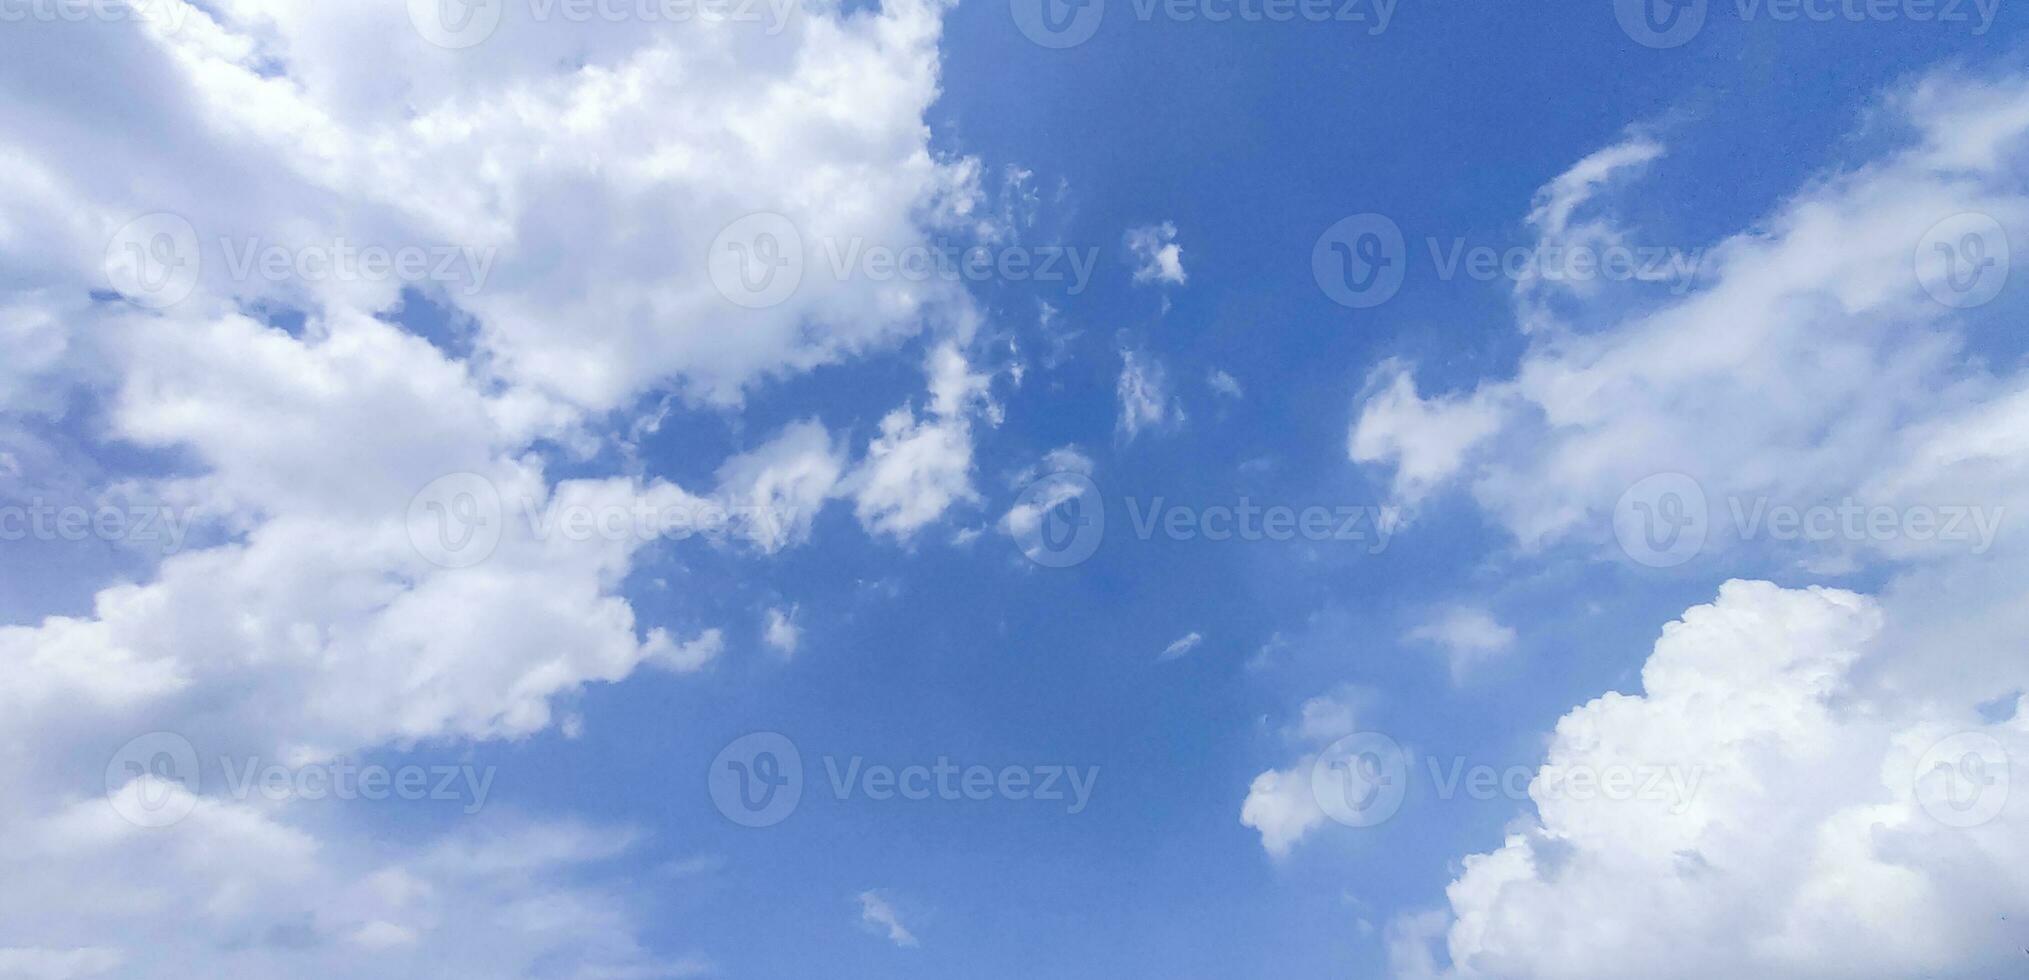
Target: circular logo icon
[
  {"x": 152, "y": 780},
  {"x": 1963, "y": 780},
  {"x": 1059, "y": 520},
  {"x": 757, "y": 261},
  {"x": 456, "y": 24},
  {"x": 1963, "y": 260},
  {"x": 1660, "y": 24},
  {"x": 1058, "y": 23},
  {"x": 154, "y": 260},
  {"x": 757, "y": 780},
  {"x": 1661, "y": 521},
  {"x": 456, "y": 521},
  {"x": 1360, "y": 261},
  {"x": 1360, "y": 780}
]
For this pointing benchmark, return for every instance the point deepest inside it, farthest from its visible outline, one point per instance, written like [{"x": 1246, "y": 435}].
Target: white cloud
[
  {"x": 878, "y": 913},
  {"x": 1145, "y": 401},
  {"x": 1806, "y": 829},
  {"x": 1224, "y": 384},
  {"x": 918, "y": 468},
  {"x": 914, "y": 471},
  {"x": 1468, "y": 636},
  {"x": 775, "y": 491},
  {"x": 39, "y": 963},
  {"x": 1181, "y": 646},
  {"x": 781, "y": 632},
  {"x": 586, "y": 168},
  {"x": 1426, "y": 439},
  {"x": 1282, "y": 807},
  {"x": 1157, "y": 256},
  {"x": 1281, "y": 804},
  {"x": 1800, "y": 840},
  {"x": 1814, "y": 318},
  {"x": 1329, "y": 716}
]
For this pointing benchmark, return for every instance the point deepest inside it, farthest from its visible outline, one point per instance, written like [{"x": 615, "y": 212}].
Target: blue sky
[{"x": 304, "y": 425}]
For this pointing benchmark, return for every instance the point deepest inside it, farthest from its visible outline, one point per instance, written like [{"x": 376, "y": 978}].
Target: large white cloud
[
  {"x": 574, "y": 178},
  {"x": 1819, "y": 361}
]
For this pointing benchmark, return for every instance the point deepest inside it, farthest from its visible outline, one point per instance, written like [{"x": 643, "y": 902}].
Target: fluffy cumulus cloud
[
  {"x": 1282, "y": 804},
  {"x": 1157, "y": 256},
  {"x": 1806, "y": 825},
  {"x": 1835, "y": 795},
  {"x": 359, "y": 300}
]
